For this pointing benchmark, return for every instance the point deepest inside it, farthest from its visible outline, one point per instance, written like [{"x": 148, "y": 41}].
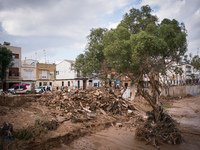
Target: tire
[{"x": 27, "y": 92}]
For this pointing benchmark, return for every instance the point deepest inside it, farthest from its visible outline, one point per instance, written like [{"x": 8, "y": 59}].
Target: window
[
  {"x": 15, "y": 56},
  {"x": 44, "y": 74},
  {"x": 126, "y": 84},
  {"x": 16, "y": 87},
  {"x": 62, "y": 83},
  {"x": 13, "y": 71},
  {"x": 68, "y": 83},
  {"x": 40, "y": 83},
  {"x": 22, "y": 87},
  {"x": 28, "y": 74},
  {"x": 51, "y": 74},
  {"x": 50, "y": 83},
  {"x": 57, "y": 72},
  {"x": 95, "y": 84}
]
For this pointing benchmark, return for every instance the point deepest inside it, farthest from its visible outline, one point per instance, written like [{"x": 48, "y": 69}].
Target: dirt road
[{"x": 185, "y": 111}]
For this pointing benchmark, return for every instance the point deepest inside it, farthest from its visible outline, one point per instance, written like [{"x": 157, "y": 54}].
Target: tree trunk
[{"x": 133, "y": 91}]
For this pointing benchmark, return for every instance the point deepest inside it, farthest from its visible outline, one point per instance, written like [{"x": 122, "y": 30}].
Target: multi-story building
[
  {"x": 65, "y": 76},
  {"x": 14, "y": 72},
  {"x": 45, "y": 74},
  {"x": 28, "y": 71}
]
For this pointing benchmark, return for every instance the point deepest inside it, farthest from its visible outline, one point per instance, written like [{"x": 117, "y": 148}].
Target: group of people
[{"x": 47, "y": 88}]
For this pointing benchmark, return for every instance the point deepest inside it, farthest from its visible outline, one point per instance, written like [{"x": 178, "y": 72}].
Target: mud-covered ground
[
  {"x": 185, "y": 111},
  {"x": 105, "y": 131}
]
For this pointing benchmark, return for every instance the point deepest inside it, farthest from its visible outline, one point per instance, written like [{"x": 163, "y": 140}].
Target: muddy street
[{"x": 185, "y": 111}]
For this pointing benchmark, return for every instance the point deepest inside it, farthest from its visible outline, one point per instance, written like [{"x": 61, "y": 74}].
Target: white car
[{"x": 39, "y": 90}]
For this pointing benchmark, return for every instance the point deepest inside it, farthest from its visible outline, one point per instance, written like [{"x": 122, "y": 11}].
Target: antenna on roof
[{"x": 45, "y": 56}]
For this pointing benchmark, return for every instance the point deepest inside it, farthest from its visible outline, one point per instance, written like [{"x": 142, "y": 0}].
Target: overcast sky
[{"x": 57, "y": 29}]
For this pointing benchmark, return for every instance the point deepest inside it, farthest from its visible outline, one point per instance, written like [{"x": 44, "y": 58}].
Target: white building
[
  {"x": 65, "y": 76},
  {"x": 171, "y": 78}
]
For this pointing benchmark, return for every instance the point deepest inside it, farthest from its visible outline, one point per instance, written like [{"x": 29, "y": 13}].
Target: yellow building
[{"x": 45, "y": 74}]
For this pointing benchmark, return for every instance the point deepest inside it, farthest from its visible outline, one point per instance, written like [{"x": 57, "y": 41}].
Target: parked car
[
  {"x": 39, "y": 90},
  {"x": 20, "y": 88}
]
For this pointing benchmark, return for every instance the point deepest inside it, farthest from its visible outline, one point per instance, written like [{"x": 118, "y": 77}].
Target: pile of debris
[
  {"x": 85, "y": 105},
  {"x": 158, "y": 130}
]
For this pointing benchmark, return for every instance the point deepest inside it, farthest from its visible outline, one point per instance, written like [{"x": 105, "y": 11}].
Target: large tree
[
  {"x": 5, "y": 62},
  {"x": 140, "y": 45}
]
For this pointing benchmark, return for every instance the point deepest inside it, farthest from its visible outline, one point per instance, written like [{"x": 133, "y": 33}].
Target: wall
[
  {"x": 28, "y": 70},
  {"x": 64, "y": 69},
  {"x": 49, "y": 68},
  {"x": 176, "y": 91}
]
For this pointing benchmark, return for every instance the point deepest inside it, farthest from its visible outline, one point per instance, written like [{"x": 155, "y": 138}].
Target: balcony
[
  {"x": 44, "y": 77},
  {"x": 14, "y": 74},
  {"x": 29, "y": 77},
  {"x": 29, "y": 65}
]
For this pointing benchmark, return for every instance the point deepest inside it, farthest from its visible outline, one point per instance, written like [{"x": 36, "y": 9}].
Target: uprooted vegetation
[
  {"x": 82, "y": 112},
  {"x": 74, "y": 114},
  {"x": 164, "y": 130}
]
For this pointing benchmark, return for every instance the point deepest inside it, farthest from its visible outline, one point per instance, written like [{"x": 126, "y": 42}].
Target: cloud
[
  {"x": 60, "y": 27},
  {"x": 112, "y": 25},
  {"x": 61, "y": 18}
]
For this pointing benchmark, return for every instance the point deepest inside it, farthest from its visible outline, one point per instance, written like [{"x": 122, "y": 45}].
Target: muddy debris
[
  {"x": 85, "y": 105},
  {"x": 158, "y": 131},
  {"x": 77, "y": 112}
]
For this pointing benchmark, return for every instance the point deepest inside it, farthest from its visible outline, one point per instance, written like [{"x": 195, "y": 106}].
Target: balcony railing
[
  {"x": 44, "y": 77},
  {"x": 29, "y": 65},
  {"x": 29, "y": 77}
]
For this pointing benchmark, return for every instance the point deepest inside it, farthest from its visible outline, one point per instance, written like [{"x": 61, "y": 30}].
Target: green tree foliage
[
  {"x": 196, "y": 62},
  {"x": 5, "y": 61},
  {"x": 139, "y": 45},
  {"x": 91, "y": 61},
  {"x": 137, "y": 20}
]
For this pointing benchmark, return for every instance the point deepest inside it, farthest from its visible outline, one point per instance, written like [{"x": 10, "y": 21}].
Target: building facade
[
  {"x": 66, "y": 77},
  {"x": 14, "y": 72},
  {"x": 28, "y": 72},
  {"x": 45, "y": 74}
]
